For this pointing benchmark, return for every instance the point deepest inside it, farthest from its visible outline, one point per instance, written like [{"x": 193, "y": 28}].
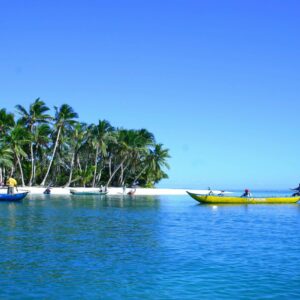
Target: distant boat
[
  {"x": 87, "y": 193},
  {"x": 13, "y": 197},
  {"x": 214, "y": 199}
]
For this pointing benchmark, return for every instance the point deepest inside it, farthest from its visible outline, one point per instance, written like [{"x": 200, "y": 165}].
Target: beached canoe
[
  {"x": 88, "y": 193},
  {"x": 13, "y": 197},
  {"x": 244, "y": 200}
]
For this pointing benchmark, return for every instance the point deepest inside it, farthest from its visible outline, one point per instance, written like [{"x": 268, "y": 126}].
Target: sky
[{"x": 217, "y": 82}]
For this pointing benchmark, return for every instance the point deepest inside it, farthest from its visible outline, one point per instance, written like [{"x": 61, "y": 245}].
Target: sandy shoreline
[{"x": 112, "y": 191}]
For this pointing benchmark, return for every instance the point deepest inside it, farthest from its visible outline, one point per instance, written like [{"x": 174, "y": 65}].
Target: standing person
[
  {"x": 124, "y": 188},
  {"x": 11, "y": 183}
]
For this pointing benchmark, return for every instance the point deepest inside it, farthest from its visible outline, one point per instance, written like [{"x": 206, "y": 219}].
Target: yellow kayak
[{"x": 245, "y": 200}]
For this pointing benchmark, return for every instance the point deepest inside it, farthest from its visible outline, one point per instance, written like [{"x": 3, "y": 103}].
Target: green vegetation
[{"x": 40, "y": 149}]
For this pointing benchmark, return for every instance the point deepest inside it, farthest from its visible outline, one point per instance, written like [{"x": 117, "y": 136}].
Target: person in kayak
[
  {"x": 297, "y": 191},
  {"x": 11, "y": 183},
  {"x": 221, "y": 193},
  {"x": 246, "y": 193},
  {"x": 210, "y": 192}
]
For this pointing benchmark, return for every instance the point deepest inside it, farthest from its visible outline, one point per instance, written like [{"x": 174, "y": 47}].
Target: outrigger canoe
[
  {"x": 214, "y": 199},
  {"x": 13, "y": 197},
  {"x": 88, "y": 193}
]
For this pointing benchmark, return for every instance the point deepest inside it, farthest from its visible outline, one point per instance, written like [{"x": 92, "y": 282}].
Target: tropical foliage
[{"x": 59, "y": 150}]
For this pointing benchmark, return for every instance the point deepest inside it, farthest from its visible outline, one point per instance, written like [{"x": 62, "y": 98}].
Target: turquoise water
[{"x": 166, "y": 247}]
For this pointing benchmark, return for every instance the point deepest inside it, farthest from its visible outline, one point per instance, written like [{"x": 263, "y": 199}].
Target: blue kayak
[{"x": 13, "y": 197}]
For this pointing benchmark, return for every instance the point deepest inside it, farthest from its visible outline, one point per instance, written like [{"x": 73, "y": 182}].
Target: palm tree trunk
[
  {"x": 123, "y": 172},
  {"x": 72, "y": 181},
  {"x": 98, "y": 178},
  {"x": 114, "y": 172},
  {"x": 51, "y": 160},
  {"x": 79, "y": 164},
  {"x": 84, "y": 180},
  {"x": 32, "y": 159},
  {"x": 140, "y": 174},
  {"x": 34, "y": 174},
  {"x": 109, "y": 165},
  {"x": 12, "y": 170},
  {"x": 71, "y": 171},
  {"x": 121, "y": 175},
  {"x": 95, "y": 166},
  {"x": 21, "y": 170},
  {"x": 32, "y": 164}
]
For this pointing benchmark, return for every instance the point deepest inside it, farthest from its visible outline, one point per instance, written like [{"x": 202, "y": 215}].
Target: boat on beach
[
  {"x": 13, "y": 197},
  {"x": 87, "y": 193},
  {"x": 215, "y": 199}
]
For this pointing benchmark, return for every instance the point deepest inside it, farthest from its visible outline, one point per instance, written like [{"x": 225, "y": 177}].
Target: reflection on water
[
  {"x": 168, "y": 247},
  {"x": 89, "y": 201}
]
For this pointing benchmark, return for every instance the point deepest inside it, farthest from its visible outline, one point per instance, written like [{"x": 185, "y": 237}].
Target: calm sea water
[{"x": 166, "y": 247}]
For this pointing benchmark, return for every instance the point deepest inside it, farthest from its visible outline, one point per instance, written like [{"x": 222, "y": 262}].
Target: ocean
[{"x": 153, "y": 247}]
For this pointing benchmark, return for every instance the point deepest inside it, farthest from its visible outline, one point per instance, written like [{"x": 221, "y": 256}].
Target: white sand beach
[{"x": 112, "y": 191}]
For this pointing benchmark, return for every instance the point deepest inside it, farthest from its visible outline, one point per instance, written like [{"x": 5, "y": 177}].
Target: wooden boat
[
  {"x": 13, "y": 197},
  {"x": 243, "y": 200},
  {"x": 87, "y": 193}
]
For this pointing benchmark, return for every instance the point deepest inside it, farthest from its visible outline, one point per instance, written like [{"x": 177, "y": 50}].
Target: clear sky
[{"x": 217, "y": 82}]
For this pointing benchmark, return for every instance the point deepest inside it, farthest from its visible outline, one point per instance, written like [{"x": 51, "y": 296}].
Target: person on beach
[
  {"x": 11, "y": 183},
  {"x": 124, "y": 188},
  {"x": 246, "y": 193},
  {"x": 132, "y": 192},
  {"x": 47, "y": 191}
]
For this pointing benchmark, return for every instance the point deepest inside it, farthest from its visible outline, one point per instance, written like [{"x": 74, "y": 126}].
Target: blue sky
[{"x": 217, "y": 82}]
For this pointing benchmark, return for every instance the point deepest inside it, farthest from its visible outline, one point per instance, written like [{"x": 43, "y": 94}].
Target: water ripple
[{"x": 147, "y": 247}]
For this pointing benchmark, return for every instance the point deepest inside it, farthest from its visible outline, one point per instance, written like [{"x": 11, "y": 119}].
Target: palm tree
[
  {"x": 6, "y": 159},
  {"x": 17, "y": 138},
  {"x": 118, "y": 154},
  {"x": 78, "y": 138},
  {"x": 157, "y": 160},
  {"x": 35, "y": 115},
  {"x": 64, "y": 117},
  {"x": 40, "y": 138},
  {"x": 101, "y": 136},
  {"x": 76, "y": 151},
  {"x": 130, "y": 146},
  {"x": 6, "y": 121},
  {"x": 145, "y": 140}
]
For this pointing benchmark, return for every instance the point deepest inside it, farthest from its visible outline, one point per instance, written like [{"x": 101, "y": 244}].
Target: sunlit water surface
[{"x": 166, "y": 247}]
